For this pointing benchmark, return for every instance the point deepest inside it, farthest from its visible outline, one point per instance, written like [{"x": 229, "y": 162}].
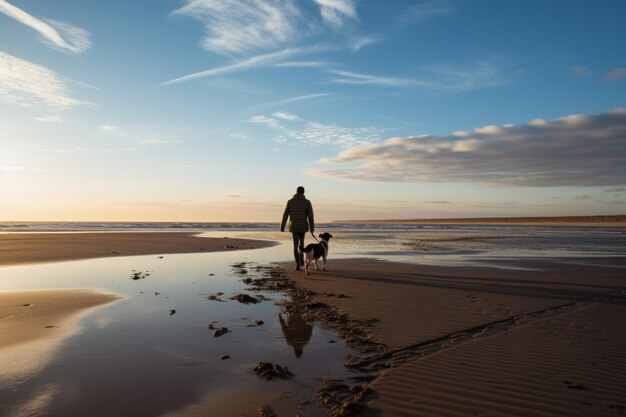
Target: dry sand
[
  {"x": 485, "y": 341},
  {"x": 22, "y": 248}
]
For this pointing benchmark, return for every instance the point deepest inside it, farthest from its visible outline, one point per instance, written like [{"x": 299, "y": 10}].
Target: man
[{"x": 300, "y": 210}]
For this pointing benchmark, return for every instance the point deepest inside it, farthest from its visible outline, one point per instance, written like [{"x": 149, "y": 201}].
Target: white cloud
[
  {"x": 425, "y": 11},
  {"x": 233, "y": 195},
  {"x": 57, "y": 34},
  {"x": 289, "y": 100},
  {"x": 286, "y": 116},
  {"x": 139, "y": 136},
  {"x": 436, "y": 78},
  {"x": 234, "y": 26},
  {"x": 349, "y": 77},
  {"x": 363, "y": 41},
  {"x": 303, "y": 64},
  {"x": 578, "y": 150},
  {"x": 294, "y": 128},
  {"x": 335, "y": 12},
  {"x": 254, "y": 62},
  {"x": 29, "y": 85}
]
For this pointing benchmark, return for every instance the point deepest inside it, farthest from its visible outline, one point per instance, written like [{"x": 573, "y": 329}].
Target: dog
[{"x": 314, "y": 251}]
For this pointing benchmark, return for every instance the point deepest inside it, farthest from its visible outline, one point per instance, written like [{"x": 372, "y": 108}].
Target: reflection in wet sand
[
  {"x": 297, "y": 331},
  {"x": 34, "y": 324}
]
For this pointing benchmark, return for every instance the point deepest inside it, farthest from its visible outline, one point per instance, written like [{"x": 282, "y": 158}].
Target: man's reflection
[{"x": 297, "y": 331}]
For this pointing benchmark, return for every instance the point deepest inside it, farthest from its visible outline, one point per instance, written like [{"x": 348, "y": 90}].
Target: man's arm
[
  {"x": 310, "y": 216},
  {"x": 285, "y": 215}
]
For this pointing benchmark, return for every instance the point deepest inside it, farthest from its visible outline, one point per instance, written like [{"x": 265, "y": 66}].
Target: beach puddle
[{"x": 155, "y": 352}]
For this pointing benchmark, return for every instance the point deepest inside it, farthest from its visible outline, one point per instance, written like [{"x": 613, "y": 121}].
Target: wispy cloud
[
  {"x": 286, "y": 116},
  {"x": 288, "y": 100},
  {"x": 253, "y": 62},
  {"x": 29, "y": 85},
  {"x": 615, "y": 190},
  {"x": 616, "y": 74},
  {"x": 437, "y": 78},
  {"x": 145, "y": 138},
  {"x": 293, "y": 128},
  {"x": 234, "y": 26},
  {"x": 349, "y": 77},
  {"x": 58, "y": 35},
  {"x": 335, "y": 12},
  {"x": 578, "y": 150},
  {"x": 363, "y": 41},
  {"x": 304, "y": 64},
  {"x": 427, "y": 10}
]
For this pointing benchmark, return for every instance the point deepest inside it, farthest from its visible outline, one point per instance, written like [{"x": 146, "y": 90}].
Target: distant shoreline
[
  {"x": 29, "y": 248},
  {"x": 616, "y": 220}
]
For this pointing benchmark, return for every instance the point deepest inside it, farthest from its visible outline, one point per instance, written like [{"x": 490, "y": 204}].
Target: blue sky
[{"x": 217, "y": 110}]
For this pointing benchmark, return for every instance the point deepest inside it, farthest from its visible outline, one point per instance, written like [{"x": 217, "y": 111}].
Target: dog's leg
[
  {"x": 307, "y": 261},
  {"x": 324, "y": 263},
  {"x": 315, "y": 260}
]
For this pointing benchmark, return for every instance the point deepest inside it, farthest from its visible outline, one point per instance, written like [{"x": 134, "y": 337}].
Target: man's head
[{"x": 300, "y": 190}]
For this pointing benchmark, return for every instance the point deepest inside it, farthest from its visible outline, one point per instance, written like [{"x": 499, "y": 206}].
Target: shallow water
[{"x": 132, "y": 358}]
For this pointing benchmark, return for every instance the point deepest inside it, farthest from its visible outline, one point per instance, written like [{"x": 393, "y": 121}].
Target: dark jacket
[{"x": 300, "y": 210}]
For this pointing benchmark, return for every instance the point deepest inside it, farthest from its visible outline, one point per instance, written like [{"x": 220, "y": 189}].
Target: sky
[{"x": 216, "y": 110}]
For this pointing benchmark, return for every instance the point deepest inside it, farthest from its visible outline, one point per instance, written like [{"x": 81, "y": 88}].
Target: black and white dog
[{"x": 314, "y": 251}]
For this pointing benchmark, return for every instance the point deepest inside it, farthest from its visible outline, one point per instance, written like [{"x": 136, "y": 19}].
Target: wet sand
[
  {"x": 452, "y": 341},
  {"x": 24, "y": 248},
  {"x": 33, "y": 326},
  {"x": 30, "y": 315},
  {"x": 585, "y": 221}
]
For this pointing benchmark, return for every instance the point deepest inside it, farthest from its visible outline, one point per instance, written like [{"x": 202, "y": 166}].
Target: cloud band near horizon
[{"x": 577, "y": 150}]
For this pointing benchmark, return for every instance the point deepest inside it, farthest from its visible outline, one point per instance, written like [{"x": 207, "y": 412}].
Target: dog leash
[{"x": 315, "y": 237}]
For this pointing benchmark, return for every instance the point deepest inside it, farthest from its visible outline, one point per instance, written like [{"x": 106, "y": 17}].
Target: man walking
[{"x": 300, "y": 210}]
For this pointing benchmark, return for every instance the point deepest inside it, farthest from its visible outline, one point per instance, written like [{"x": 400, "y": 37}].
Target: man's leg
[
  {"x": 298, "y": 240},
  {"x": 301, "y": 244}
]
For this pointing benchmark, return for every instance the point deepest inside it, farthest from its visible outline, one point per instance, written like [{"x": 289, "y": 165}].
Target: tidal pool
[{"x": 135, "y": 358}]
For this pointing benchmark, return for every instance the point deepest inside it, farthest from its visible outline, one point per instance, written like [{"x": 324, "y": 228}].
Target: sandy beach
[
  {"x": 483, "y": 341},
  {"x": 545, "y": 339},
  {"x": 26, "y": 248}
]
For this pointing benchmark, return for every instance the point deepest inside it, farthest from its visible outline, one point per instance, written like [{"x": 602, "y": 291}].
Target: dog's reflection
[{"x": 297, "y": 330}]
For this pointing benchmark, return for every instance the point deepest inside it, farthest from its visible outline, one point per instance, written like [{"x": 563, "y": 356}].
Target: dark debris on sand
[
  {"x": 339, "y": 399},
  {"x": 215, "y": 297},
  {"x": 221, "y": 331},
  {"x": 343, "y": 400},
  {"x": 270, "y": 370},
  {"x": 137, "y": 275},
  {"x": 245, "y": 299},
  {"x": 265, "y": 411}
]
